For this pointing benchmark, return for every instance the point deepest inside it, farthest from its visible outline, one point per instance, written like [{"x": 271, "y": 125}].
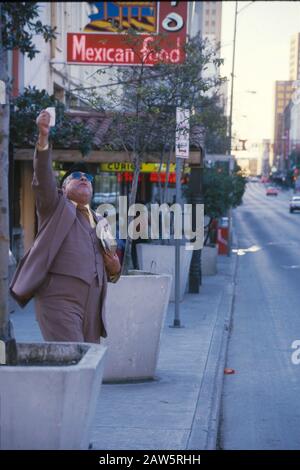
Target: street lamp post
[
  {"x": 232, "y": 69},
  {"x": 231, "y": 110},
  {"x": 232, "y": 78}
]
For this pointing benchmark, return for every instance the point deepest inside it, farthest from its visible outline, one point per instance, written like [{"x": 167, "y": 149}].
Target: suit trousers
[{"x": 68, "y": 309}]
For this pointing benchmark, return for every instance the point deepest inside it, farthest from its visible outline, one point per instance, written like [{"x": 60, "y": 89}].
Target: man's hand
[
  {"x": 43, "y": 121},
  {"x": 111, "y": 262}
]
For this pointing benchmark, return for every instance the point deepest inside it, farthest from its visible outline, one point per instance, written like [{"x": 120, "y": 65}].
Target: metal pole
[
  {"x": 177, "y": 249},
  {"x": 182, "y": 151},
  {"x": 230, "y": 123},
  {"x": 232, "y": 77}
]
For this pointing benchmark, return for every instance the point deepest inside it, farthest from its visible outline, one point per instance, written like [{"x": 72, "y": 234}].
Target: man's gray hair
[{"x": 65, "y": 182}]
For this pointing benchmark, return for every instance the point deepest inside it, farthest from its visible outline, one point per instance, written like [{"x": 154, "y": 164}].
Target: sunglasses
[{"x": 76, "y": 175}]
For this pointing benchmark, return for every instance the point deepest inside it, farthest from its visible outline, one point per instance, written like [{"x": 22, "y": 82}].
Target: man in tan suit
[{"x": 67, "y": 267}]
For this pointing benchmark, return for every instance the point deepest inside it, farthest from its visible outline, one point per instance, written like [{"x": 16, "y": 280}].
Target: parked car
[
  {"x": 271, "y": 191},
  {"x": 295, "y": 204}
]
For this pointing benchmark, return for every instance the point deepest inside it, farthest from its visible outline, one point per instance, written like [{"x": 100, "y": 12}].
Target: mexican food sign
[{"x": 160, "y": 29}]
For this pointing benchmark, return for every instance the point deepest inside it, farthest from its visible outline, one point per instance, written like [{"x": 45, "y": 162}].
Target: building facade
[
  {"x": 206, "y": 18},
  {"x": 294, "y": 114},
  {"x": 195, "y": 16},
  {"x": 294, "y": 131},
  {"x": 295, "y": 57},
  {"x": 211, "y": 21},
  {"x": 49, "y": 69},
  {"x": 265, "y": 157},
  {"x": 283, "y": 93}
]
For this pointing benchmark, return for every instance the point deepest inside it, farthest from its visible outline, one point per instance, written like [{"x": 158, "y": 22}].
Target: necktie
[{"x": 84, "y": 211}]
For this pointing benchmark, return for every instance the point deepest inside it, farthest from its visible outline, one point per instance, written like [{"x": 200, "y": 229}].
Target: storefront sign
[
  {"x": 161, "y": 178},
  {"x": 2, "y": 92},
  {"x": 182, "y": 133},
  {"x": 161, "y": 34},
  {"x": 145, "y": 167},
  {"x": 127, "y": 177}
]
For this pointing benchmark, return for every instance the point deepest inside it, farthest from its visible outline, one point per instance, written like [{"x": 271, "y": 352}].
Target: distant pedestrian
[{"x": 67, "y": 268}]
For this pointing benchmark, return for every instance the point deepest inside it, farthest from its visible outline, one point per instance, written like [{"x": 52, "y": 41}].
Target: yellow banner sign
[{"x": 145, "y": 167}]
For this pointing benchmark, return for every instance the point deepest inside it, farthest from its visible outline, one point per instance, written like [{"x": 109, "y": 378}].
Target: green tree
[
  {"x": 19, "y": 24},
  {"x": 214, "y": 123},
  {"x": 221, "y": 191},
  {"x": 65, "y": 134}
]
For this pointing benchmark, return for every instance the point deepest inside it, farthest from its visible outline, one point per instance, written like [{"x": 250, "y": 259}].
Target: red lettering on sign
[{"x": 103, "y": 48}]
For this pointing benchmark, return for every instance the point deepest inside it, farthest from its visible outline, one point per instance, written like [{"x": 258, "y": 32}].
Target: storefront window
[{"x": 106, "y": 189}]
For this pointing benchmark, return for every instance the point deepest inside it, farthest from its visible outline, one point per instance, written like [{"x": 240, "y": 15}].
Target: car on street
[
  {"x": 271, "y": 191},
  {"x": 295, "y": 204}
]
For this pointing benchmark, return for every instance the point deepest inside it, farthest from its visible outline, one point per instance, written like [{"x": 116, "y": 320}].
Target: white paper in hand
[
  {"x": 104, "y": 234},
  {"x": 51, "y": 111}
]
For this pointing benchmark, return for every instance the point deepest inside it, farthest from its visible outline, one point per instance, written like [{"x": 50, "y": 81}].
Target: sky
[{"x": 264, "y": 29}]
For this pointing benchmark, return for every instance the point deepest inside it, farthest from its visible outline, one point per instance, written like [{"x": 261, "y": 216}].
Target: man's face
[{"x": 78, "y": 187}]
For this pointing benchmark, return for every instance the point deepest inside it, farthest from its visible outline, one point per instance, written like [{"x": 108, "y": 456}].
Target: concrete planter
[
  {"x": 209, "y": 256},
  {"x": 160, "y": 259},
  {"x": 49, "y": 400},
  {"x": 136, "y": 307}
]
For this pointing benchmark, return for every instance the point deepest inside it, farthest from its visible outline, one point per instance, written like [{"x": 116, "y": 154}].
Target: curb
[{"x": 204, "y": 431}]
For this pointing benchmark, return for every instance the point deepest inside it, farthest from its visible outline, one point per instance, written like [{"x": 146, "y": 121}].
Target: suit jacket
[{"x": 56, "y": 215}]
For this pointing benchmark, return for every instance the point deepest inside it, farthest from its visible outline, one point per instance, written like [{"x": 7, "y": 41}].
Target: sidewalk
[{"x": 179, "y": 409}]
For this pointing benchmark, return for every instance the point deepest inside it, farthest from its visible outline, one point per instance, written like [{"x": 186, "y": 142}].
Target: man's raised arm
[{"x": 43, "y": 183}]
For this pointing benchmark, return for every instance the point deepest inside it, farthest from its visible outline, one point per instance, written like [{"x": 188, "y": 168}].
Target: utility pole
[
  {"x": 230, "y": 124},
  {"x": 232, "y": 79},
  {"x": 182, "y": 147},
  {"x": 230, "y": 163}
]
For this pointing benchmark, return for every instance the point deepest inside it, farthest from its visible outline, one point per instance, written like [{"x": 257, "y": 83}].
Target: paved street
[{"x": 261, "y": 406}]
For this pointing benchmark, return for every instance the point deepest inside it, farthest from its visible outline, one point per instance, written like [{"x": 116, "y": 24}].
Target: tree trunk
[
  {"x": 7, "y": 342},
  {"x": 196, "y": 197},
  {"x": 127, "y": 260}
]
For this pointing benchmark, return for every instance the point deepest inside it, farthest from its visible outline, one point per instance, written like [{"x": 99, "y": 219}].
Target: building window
[
  {"x": 59, "y": 93},
  {"x": 213, "y": 12},
  {"x": 213, "y": 23},
  {"x": 206, "y": 23},
  {"x": 207, "y": 12}
]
